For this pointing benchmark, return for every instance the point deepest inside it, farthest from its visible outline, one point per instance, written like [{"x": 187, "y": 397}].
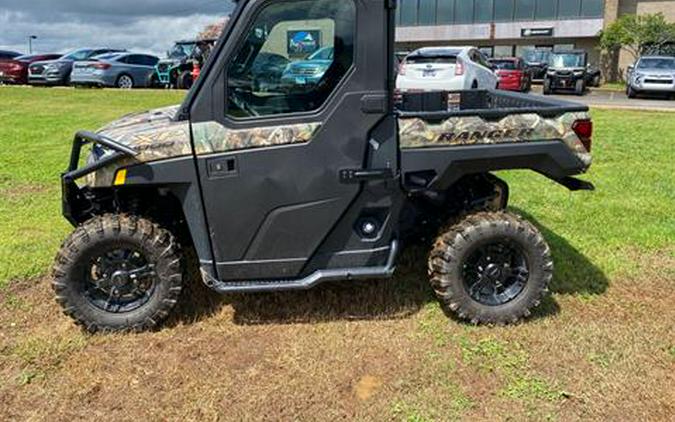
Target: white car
[{"x": 446, "y": 69}]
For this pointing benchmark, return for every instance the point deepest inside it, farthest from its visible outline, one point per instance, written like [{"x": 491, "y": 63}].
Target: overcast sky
[{"x": 138, "y": 25}]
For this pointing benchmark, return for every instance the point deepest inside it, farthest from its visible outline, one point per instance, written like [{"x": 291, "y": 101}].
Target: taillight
[
  {"x": 459, "y": 68},
  {"x": 102, "y": 66},
  {"x": 584, "y": 130},
  {"x": 402, "y": 69}
]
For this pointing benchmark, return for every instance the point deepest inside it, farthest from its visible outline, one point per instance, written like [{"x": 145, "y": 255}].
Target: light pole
[{"x": 30, "y": 43}]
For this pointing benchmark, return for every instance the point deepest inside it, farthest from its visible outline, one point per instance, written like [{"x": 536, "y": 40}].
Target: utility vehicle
[
  {"x": 286, "y": 189},
  {"x": 176, "y": 70},
  {"x": 567, "y": 71}
]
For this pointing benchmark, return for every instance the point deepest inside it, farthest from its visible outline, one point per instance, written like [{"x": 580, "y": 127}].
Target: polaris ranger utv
[
  {"x": 176, "y": 71},
  {"x": 289, "y": 188}
]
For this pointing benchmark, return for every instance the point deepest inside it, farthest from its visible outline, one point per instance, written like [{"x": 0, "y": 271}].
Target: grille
[
  {"x": 163, "y": 67},
  {"x": 37, "y": 70},
  {"x": 659, "y": 81}
]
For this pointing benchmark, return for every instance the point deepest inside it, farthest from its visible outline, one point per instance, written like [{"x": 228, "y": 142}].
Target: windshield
[
  {"x": 661, "y": 64},
  {"x": 77, "y": 55},
  {"x": 567, "y": 60},
  {"x": 536, "y": 56},
  {"x": 504, "y": 64},
  {"x": 323, "y": 54},
  {"x": 181, "y": 50}
]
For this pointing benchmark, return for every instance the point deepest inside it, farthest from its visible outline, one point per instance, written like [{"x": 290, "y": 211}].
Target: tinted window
[
  {"x": 427, "y": 12},
  {"x": 524, "y": 9},
  {"x": 78, "y": 55},
  {"x": 504, "y": 10},
  {"x": 464, "y": 11},
  {"x": 569, "y": 8},
  {"x": 592, "y": 8},
  {"x": 295, "y": 30},
  {"x": 440, "y": 57},
  {"x": 446, "y": 11},
  {"x": 409, "y": 12},
  {"x": 567, "y": 60},
  {"x": 505, "y": 64},
  {"x": 546, "y": 9},
  {"x": 484, "y": 10}
]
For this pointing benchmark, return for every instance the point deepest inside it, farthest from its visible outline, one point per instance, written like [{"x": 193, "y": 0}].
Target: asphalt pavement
[{"x": 614, "y": 99}]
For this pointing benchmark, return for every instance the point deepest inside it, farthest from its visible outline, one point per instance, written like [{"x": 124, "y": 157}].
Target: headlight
[
  {"x": 55, "y": 66},
  {"x": 578, "y": 73},
  {"x": 550, "y": 72}
]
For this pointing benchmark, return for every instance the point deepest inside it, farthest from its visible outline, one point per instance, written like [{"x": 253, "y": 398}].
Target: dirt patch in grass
[
  {"x": 377, "y": 351},
  {"x": 17, "y": 192}
]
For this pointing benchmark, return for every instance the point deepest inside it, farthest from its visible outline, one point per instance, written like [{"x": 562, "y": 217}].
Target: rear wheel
[
  {"x": 125, "y": 82},
  {"x": 118, "y": 273},
  {"x": 597, "y": 81},
  {"x": 491, "y": 268}
]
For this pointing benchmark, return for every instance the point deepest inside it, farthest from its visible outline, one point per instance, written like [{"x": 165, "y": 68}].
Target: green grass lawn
[
  {"x": 600, "y": 348},
  {"x": 36, "y": 132}
]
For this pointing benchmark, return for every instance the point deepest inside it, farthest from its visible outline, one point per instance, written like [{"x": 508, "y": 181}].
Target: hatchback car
[
  {"x": 120, "y": 70},
  {"x": 445, "y": 69},
  {"x": 652, "y": 75},
  {"x": 15, "y": 71},
  {"x": 513, "y": 74},
  {"x": 57, "y": 72}
]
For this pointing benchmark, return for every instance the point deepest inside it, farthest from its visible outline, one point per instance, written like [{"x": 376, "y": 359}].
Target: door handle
[{"x": 349, "y": 176}]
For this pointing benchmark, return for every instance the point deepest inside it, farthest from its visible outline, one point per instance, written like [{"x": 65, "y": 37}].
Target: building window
[
  {"x": 504, "y": 10},
  {"x": 525, "y": 10},
  {"x": 569, "y": 8},
  {"x": 503, "y": 51},
  {"x": 427, "y": 12},
  {"x": 546, "y": 9},
  {"x": 409, "y": 12},
  {"x": 592, "y": 8},
  {"x": 446, "y": 12},
  {"x": 464, "y": 11},
  {"x": 484, "y": 10}
]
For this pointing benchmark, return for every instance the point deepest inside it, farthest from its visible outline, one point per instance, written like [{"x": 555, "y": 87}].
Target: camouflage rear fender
[{"x": 473, "y": 130}]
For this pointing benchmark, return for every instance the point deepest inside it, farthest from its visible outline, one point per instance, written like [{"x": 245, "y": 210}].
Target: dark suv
[
  {"x": 567, "y": 71},
  {"x": 57, "y": 72}
]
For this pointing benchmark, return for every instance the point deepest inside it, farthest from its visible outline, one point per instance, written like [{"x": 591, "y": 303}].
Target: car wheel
[
  {"x": 597, "y": 81},
  {"x": 580, "y": 88},
  {"x": 547, "y": 87},
  {"x": 185, "y": 80},
  {"x": 125, "y": 82},
  {"x": 631, "y": 92}
]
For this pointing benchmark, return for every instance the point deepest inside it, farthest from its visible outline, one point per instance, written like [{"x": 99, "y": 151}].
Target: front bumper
[
  {"x": 92, "y": 79},
  {"x": 660, "y": 87}
]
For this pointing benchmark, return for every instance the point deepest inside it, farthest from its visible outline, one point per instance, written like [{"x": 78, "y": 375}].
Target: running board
[{"x": 309, "y": 282}]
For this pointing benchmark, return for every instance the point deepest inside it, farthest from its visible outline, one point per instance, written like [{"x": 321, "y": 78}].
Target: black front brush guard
[
  {"x": 83, "y": 138},
  {"x": 76, "y": 205}
]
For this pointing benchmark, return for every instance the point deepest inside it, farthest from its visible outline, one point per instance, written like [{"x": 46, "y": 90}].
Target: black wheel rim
[
  {"x": 120, "y": 280},
  {"x": 496, "y": 273}
]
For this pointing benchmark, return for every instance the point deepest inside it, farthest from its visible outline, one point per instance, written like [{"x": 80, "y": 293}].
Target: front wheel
[
  {"x": 491, "y": 268},
  {"x": 580, "y": 88},
  {"x": 547, "y": 87},
  {"x": 118, "y": 273}
]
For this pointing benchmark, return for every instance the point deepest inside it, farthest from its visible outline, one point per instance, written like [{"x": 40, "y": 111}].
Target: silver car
[
  {"x": 121, "y": 70},
  {"x": 652, "y": 75}
]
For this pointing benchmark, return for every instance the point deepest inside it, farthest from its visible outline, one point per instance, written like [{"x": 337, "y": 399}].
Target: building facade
[{"x": 509, "y": 27}]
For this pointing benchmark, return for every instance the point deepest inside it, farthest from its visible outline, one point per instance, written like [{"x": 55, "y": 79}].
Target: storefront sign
[{"x": 536, "y": 32}]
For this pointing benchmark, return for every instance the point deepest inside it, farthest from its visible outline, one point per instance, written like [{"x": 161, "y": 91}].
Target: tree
[
  {"x": 638, "y": 35},
  {"x": 214, "y": 30}
]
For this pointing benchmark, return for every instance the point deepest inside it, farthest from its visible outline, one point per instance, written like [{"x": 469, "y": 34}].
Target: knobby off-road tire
[
  {"x": 152, "y": 254},
  {"x": 453, "y": 264}
]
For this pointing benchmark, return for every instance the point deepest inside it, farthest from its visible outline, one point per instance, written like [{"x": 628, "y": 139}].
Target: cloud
[{"x": 138, "y": 25}]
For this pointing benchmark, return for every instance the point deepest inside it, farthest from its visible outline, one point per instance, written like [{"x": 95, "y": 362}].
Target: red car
[
  {"x": 513, "y": 74},
  {"x": 15, "y": 70}
]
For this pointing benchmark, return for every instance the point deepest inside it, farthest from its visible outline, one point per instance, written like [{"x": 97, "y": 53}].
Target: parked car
[
  {"x": 5, "y": 55},
  {"x": 446, "y": 69},
  {"x": 537, "y": 61},
  {"x": 121, "y": 70},
  {"x": 513, "y": 74},
  {"x": 15, "y": 71},
  {"x": 567, "y": 71},
  {"x": 57, "y": 72},
  {"x": 267, "y": 70},
  {"x": 652, "y": 75},
  {"x": 309, "y": 71}
]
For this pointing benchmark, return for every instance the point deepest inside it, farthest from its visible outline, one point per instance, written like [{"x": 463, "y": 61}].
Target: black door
[{"x": 271, "y": 141}]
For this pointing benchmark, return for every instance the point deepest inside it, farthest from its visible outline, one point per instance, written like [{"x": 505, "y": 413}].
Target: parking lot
[{"x": 615, "y": 99}]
